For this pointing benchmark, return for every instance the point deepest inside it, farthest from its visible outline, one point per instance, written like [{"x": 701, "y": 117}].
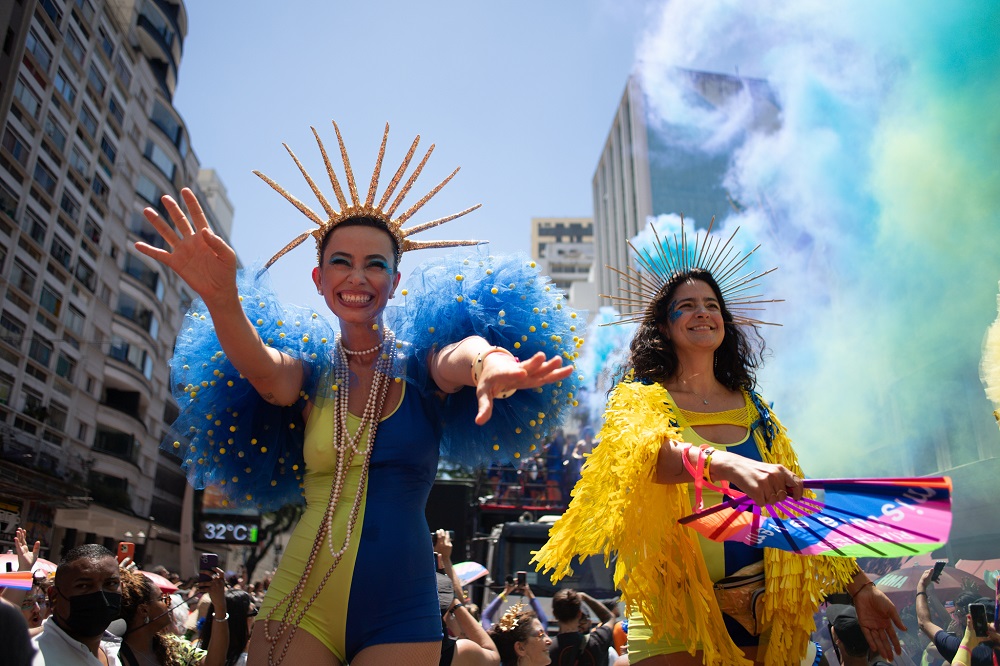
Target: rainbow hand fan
[{"x": 849, "y": 518}]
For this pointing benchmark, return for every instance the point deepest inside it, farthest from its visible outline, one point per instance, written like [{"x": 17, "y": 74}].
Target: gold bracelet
[{"x": 477, "y": 369}]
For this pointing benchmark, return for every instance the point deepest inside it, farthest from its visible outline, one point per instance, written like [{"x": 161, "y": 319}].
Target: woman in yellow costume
[{"x": 686, "y": 415}]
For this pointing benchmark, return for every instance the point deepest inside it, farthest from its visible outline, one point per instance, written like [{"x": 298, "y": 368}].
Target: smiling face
[
  {"x": 535, "y": 649},
  {"x": 357, "y": 274},
  {"x": 694, "y": 318}
]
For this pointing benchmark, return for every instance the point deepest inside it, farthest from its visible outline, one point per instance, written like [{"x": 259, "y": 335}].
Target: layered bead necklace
[{"x": 346, "y": 447}]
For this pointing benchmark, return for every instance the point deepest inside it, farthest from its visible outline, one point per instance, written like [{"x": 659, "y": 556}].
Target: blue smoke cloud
[{"x": 879, "y": 198}]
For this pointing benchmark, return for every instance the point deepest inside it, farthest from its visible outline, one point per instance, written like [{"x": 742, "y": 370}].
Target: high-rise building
[
  {"x": 563, "y": 247},
  {"x": 90, "y": 138},
  {"x": 650, "y": 166}
]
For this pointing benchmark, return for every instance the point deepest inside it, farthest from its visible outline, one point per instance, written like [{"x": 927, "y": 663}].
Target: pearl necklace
[
  {"x": 365, "y": 352},
  {"x": 346, "y": 448}
]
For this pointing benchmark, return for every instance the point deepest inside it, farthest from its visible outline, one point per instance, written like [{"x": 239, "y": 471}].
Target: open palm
[{"x": 203, "y": 260}]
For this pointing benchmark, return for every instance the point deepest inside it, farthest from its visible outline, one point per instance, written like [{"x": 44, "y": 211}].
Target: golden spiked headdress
[
  {"x": 511, "y": 618},
  {"x": 384, "y": 211},
  {"x": 667, "y": 257}
]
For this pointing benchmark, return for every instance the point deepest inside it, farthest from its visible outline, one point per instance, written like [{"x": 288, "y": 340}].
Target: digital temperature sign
[{"x": 217, "y": 522}]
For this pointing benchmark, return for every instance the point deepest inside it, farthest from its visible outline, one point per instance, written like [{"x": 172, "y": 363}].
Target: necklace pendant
[{"x": 704, "y": 401}]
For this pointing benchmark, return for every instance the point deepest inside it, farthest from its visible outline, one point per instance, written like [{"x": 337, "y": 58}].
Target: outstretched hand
[
  {"x": 877, "y": 615},
  {"x": 502, "y": 373},
  {"x": 201, "y": 258}
]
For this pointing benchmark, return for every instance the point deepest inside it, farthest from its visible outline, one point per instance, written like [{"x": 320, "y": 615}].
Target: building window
[
  {"x": 130, "y": 308},
  {"x": 74, "y": 45},
  {"x": 58, "y": 416},
  {"x": 74, "y": 320},
  {"x": 22, "y": 277},
  {"x": 6, "y": 388},
  {"x": 106, "y": 44},
  {"x": 11, "y": 329},
  {"x": 56, "y": 133},
  {"x": 92, "y": 230},
  {"x": 34, "y": 45},
  {"x": 117, "y": 110},
  {"x": 28, "y": 99},
  {"x": 45, "y": 178},
  {"x": 69, "y": 205},
  {"x": 88, "y": 121},
  {"x": 160, "y": 159},
  {"x": 15, "y": 145},
  {"x": 40, "y": 351},
  {"x": 158, "y": 23},
  {"x": 148, "y": 190},
  {"x": 99, "y": 188},
  {"x": 34, "y": 227},
  {"x": 108, "y": 149},
  {"x": 123, "y": 71},
  {"x": 86, "y": 275},
  {"x": 138, "y": 269},
  {"x": 50, "y": 301},
  {"x": 97, "y": 80},
  {"x": 65, "y": 367},
  {"x": 79, "y": 161},
  {"x": 61, "y": 252},
  {"x": 64, "y": 87},
  {"x": 165, "y": 120}
]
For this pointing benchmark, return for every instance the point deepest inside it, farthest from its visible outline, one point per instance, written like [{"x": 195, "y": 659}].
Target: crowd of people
[{"x": 545, "y": 478}]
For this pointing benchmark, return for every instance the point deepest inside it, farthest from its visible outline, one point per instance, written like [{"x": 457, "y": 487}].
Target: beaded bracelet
[
  {"x": 221, "y": 619},
  {"x": 708, "y": 462},
  {"x": 477, "y": 370}
]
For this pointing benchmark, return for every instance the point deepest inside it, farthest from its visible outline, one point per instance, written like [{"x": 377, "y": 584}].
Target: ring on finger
[{"x": 780, "y": 493}]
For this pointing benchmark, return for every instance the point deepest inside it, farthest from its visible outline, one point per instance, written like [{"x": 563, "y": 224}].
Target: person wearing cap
[{"x": 848, "y": 640}]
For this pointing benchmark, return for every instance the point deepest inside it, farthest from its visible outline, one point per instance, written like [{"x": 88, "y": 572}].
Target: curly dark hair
[
  {"x": 654, "y": 358},
  {"x": 138, "y": 590},
  {"x": 505, "y": 640}
]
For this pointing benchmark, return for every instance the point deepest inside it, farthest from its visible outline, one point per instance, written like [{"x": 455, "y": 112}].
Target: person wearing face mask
[{"x": 84, "y": 600}]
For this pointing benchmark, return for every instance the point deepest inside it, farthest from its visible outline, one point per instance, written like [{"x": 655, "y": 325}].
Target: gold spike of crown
[
  {"x": 670, "y": 257},
  {"x": 357, "y": 209},
  {"x": 511, "y": 618}
]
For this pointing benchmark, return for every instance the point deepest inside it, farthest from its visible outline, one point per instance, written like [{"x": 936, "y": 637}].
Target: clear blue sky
[{"x": 521, "y": 95}]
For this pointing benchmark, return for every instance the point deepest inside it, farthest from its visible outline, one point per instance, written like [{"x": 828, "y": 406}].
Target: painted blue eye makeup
[
  {"x": 339, "y": 261},
  {"x": 380, "y": 265},
  {"x": 673, "y": 314}
]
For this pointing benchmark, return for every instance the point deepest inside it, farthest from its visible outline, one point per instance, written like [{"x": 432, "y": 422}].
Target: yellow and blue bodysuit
[
  {"x": 662, "y": 569},
  {"x": 263, "y": 456}
]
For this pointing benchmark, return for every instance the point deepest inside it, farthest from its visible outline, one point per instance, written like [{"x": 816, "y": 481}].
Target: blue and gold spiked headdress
[
  {"x": 383, "y": 211},
  {"x": 663, "y": 258}
]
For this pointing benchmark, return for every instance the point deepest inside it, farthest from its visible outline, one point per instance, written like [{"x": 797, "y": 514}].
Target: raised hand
[
  {"x": 26, "y": 557},
  {"x": 877, "y": 615},
  {"x": 503, "y": 373},
  {"x": 202, "y": 259}
]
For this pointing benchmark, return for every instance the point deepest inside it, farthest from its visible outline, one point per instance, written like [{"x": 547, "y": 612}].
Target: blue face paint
[{"x": 673, "y": 314}]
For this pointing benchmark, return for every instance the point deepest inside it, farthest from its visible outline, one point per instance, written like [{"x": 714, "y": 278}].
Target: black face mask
[{"x": 90, "y": 614}]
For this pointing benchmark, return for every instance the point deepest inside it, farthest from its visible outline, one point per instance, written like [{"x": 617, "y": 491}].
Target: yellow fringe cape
[{"x": 660, "y": 570}]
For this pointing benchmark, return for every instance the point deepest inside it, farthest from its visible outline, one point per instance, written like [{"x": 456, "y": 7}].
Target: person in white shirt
[{"x": 85, "y": 599}]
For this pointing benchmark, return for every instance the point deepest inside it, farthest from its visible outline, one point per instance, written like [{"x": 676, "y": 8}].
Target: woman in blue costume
[
  {"x": 685, "y": 416},
  {"x": 274, "y": 400}
]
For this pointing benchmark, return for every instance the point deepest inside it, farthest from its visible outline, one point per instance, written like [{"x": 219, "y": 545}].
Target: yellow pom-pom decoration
[
  {"x": 459, "y": 278},
  {"x": 404, "y": 292},
  {"x": 494, "y": 290}
]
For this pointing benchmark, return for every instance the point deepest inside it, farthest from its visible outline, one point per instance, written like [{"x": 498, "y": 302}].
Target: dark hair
[
  {"x": 238, "y": 607},
  {"x": 566, "y": 605},
  {"x": 89, "y": 551},
  {"x": 370, "y": 222},
  {"x": 654, "y": 358},
  {"x": 505, "y": 640}
]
